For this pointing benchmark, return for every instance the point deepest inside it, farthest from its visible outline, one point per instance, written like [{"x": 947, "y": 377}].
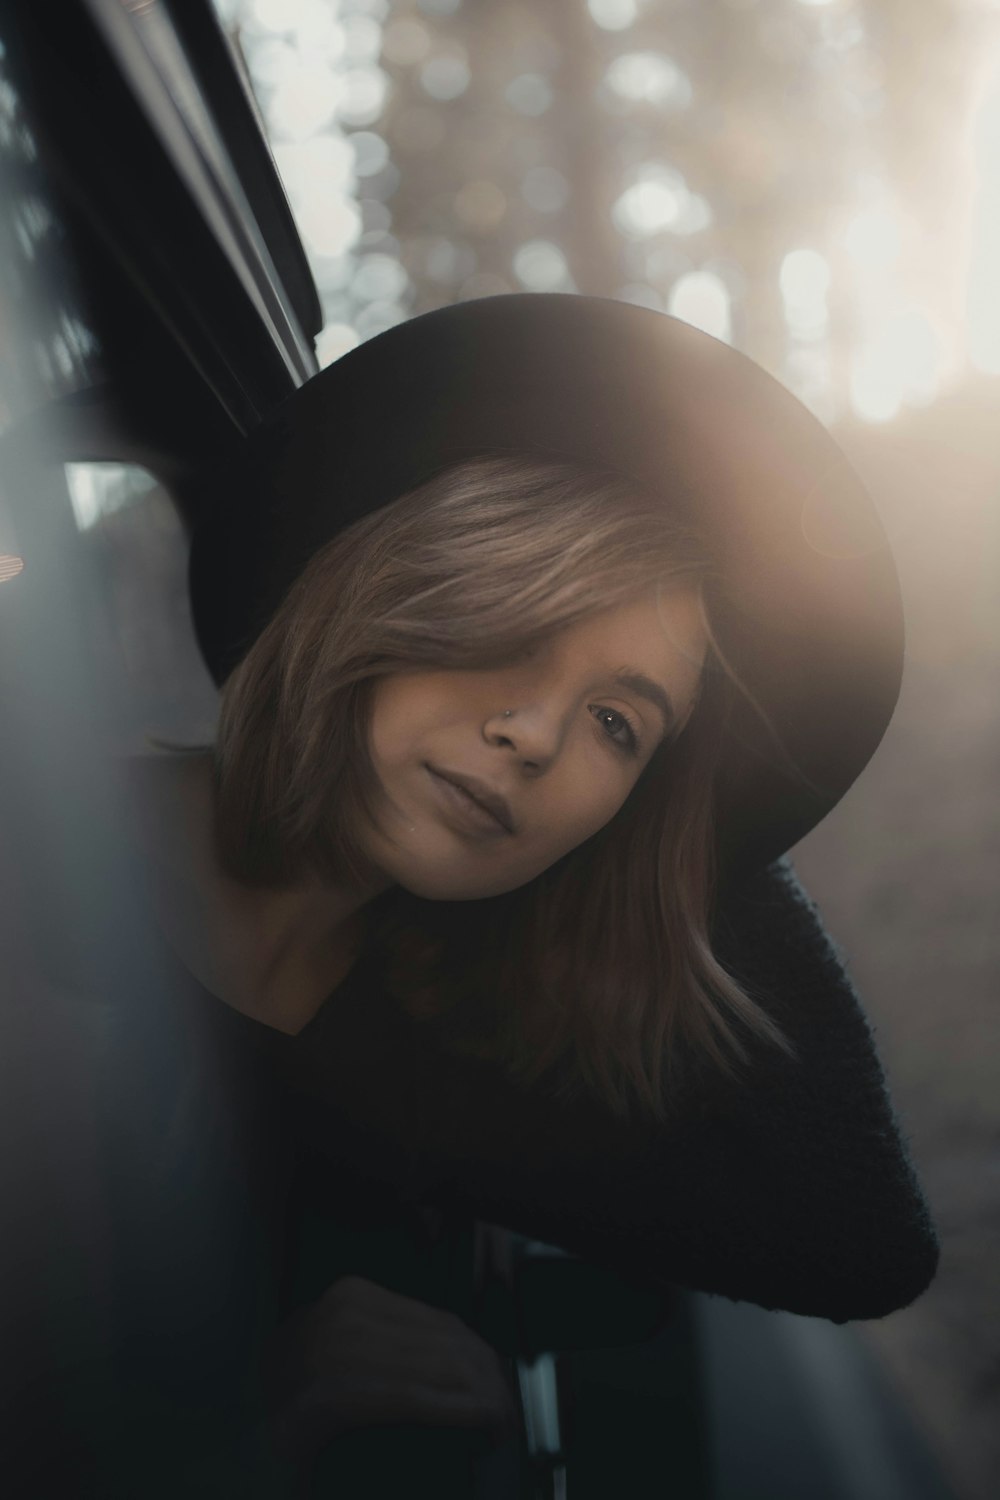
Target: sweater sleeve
[{"x": 794, "y": 1190}]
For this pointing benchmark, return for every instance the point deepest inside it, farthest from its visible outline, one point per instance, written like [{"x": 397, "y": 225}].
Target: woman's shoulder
[
  {"x": 771, "y": 909},
  {"x": 770, "y": 934}
]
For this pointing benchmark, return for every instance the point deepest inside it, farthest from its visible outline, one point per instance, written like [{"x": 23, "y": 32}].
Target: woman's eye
[{"x": 625, "y": 727}]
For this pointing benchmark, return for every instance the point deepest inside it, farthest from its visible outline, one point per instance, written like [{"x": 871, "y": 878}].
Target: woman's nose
[{"x": 533, "y": 730}]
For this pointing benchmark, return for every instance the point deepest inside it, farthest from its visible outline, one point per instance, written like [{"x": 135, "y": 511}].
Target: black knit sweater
[{"x": 793, "y": 1191}]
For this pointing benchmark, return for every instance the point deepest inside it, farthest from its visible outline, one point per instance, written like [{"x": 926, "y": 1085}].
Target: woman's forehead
[
  {"x": 660, "y": 638},
  {"x": 673, "y": 614}
]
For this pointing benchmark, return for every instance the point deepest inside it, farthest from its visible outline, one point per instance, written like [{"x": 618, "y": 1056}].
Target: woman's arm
[
  {"x": 818, "y": 1180},
  {"x": 795, "y": 1192}
]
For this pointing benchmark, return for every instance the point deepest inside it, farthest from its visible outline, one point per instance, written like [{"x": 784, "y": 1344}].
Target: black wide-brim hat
[{"x": 805, "y": 599}]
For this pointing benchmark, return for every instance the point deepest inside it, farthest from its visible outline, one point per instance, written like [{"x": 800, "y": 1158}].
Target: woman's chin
[{"x": 445, "y": 885}]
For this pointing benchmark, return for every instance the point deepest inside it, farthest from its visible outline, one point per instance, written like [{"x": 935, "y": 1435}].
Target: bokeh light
[
  {"x": 439, "y": 7},
  {"x": 286, "y": 15},
  {"x": 362, "y": 95},
  {"x": 445, "y": 261},
  {"x": 270, "y": 62},
  {"x": 329, "y": 226},
  {"x": 529, "y": 93},
  {"x": 405, "y": 41},
  {"x": 362, "y": 39},
  {"x": 613, "y": 15},
  {"x": 370, "y": 152},
  {"x": 540, "y": 266},
  {"x": 376, "y": 317},
  {"x": 545, "y": 189},
  {"x": 305, "y": 99},
  {"x": 379, "y": 278},
  {"x": 648, "y": 78},
  {"x": 445, "y": 77},
  {"x": 805, "y": 281},
  {"x": 654, "y": 201},
  {"x": 323, "y": 159},
  {"x": 477, "y": 157},
  {"x": 873, "y": 237},
  {"x": 702, "y": 299},
  {"x": 695, "y": 215}
]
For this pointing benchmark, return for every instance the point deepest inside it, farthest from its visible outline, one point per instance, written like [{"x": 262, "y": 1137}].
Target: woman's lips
[
  {"x": 464, "y": 809},
  {"x": 480, "y": 791}
]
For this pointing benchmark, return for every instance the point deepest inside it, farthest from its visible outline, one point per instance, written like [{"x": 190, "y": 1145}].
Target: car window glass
[{"x": 141, "y": 618}]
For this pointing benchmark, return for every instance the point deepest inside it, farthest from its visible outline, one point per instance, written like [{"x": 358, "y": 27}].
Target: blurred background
[{"x": 816, "y": 182}]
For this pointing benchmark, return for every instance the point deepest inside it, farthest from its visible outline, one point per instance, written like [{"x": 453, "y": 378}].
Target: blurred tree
[{"x": 666, "y": 152}]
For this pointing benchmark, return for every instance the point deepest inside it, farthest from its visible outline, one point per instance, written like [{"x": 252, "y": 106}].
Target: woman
[{"x": 608, "y": 574}]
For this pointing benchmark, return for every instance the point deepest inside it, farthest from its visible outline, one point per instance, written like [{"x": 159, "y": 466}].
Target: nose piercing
[{"x": 507, "y": 712}]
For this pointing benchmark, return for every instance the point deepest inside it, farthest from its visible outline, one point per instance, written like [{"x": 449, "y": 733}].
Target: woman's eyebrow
[{"x": 645, "y": 687}]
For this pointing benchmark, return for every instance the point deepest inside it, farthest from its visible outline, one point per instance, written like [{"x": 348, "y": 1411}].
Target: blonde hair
[{"x": 597, "y": 977}]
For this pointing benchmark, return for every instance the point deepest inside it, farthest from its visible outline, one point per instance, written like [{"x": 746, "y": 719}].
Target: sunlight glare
[
  {"x": 900, "y": 365},
  {"x": 872, "y": 238},
  {"x": 805, "y": 280}
]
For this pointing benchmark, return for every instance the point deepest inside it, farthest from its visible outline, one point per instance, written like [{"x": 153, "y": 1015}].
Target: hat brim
[{"x": 805, "y": 603}]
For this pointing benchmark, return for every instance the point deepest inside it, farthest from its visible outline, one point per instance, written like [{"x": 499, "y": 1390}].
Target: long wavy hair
[{"x": 597, "y": 978}]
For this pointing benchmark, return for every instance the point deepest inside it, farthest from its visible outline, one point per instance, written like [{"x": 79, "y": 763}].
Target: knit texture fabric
[{"x": 793, "y": 1189}]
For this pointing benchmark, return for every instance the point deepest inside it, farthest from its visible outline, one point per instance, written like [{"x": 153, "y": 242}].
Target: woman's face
[{"x": 564, "y": 761}]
